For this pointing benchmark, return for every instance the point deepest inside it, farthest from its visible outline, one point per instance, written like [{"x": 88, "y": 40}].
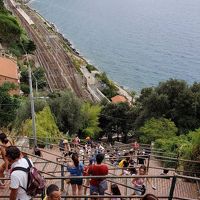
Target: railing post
[
  {"x": 148, "y": 163},
  {"x": 62, "y": 175},
  {"x": 126, "y": 181},
  {"x": 173, "y": 184}
]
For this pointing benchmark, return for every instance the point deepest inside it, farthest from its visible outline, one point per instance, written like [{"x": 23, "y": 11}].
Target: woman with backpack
[{"x": 75, "y": 168}]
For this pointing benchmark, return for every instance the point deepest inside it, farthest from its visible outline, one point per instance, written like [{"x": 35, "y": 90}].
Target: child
[
  {"x": 53, "y": 193},
  {"x": 115, "y": 191}
]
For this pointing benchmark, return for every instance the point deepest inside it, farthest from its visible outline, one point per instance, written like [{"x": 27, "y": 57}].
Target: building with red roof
[
  {"x": 118, "y": 99},
  {"x": 9, "y": 73}
]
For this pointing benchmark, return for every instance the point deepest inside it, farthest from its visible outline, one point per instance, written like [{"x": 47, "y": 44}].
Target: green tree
[
  {"x": 45, "y": 126},
  {"x": 185, "y": 147},
  {"x": 172, "y": 147},
  {"x": 108, "y": 87},
  {"x": 66, "y": 108},
  {"x": 174, "y": 100},
  {"x": 8, "y": 104},
  {"x": 192, "y": 152},
  {"x": 24, "y": 111},
  {"x": 28, "y": 46},
  {"x": 157, "y": 129},
  {"x": 90, "y": 119},
  {"x": 38, "y": 74},
  {"x": 118, "y": 117}
]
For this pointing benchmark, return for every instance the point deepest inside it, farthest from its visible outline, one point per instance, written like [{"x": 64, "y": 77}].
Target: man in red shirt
[{"x": 98, "y": 185}]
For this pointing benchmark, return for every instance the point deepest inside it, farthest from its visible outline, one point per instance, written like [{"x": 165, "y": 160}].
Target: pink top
[{"x": 138, "y": 182}]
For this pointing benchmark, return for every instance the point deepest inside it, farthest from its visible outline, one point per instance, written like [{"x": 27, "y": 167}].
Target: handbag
[{"x": 143, "y": 190}]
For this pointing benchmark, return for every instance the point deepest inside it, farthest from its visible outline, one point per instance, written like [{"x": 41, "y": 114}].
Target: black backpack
[{"x": 36, "y": 182}]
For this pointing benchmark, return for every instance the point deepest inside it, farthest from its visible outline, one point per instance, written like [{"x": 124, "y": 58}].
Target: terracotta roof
[
  {"x": 118, "y": 99},
  {"x": 8, "y": 68}
]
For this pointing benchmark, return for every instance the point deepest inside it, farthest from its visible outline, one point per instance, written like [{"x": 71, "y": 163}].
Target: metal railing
[
  {"x": 62, "y": 179},
  {"x": 172, "y": 179}
]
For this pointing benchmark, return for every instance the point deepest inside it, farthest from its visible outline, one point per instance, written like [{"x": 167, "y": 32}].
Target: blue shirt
[{"x": 76, "y": 171}]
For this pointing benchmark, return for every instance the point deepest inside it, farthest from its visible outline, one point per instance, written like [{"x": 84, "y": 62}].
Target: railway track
[{"x": 59, "y": 70}]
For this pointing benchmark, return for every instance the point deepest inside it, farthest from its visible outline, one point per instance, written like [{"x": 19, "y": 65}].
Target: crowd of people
[{"x": 95, "y": 165}]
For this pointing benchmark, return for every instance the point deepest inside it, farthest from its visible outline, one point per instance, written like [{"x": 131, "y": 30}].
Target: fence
[
  {"x": 169, "y": 185},
  {"x": 171, "y": 193}
]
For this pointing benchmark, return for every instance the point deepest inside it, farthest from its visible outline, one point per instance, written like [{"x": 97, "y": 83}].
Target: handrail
[
  {"x": 198, "y": 187},
  {"x": 157, "y": 156},
  {"x": 170, "y": 197},
  {"x": 135, "y": 156},
  {"x": 107, "y": 196}
]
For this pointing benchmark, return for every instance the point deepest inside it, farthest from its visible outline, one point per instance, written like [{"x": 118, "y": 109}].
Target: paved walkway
[{"x": 52, "y": 168}]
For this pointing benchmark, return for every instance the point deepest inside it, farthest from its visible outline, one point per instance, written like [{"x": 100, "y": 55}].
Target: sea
[{"x": 138, "y": 43}]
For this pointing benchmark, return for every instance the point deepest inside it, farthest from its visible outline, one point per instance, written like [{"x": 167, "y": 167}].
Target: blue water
[{"x": 138, "y": 43}]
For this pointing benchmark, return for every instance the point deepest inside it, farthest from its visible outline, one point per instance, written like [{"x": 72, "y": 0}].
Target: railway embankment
[{"x": 62, "y": 62}]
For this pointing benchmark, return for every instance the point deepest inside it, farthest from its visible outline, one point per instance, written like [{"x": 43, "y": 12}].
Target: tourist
[
  {"x": 136, "y": 146},
  {"x": 132, "y": 157},
  {"x": 141, "y": 158},
  {"x": 37, "y": 151},
  {"x": 18, "y": 178},
  {"x": 76, "y": 142},
  {"x": 99, "y": 149},
  {"x": 132, "y": 170},
  {"x": 88, "y": 149},
  {"x": 75, "y": 168},
  {"x": 116, "y": 157},
  {"x": 149, "y": 197},
  {"x": 61, "y": 145},
  {"x": 98, "y": 185},
  {"x": 124, "y": 163},
  {"x": 53, "y": 193},
  {"x": 88, "y": 141},
  {"x": 67, "y": 148},
  {"x": 139, "y": 183},
  {"x": 4, "y": 168},
  {"x": 115, "y": 191}
]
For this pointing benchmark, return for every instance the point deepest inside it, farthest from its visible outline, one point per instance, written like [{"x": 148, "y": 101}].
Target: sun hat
[{"x": 65, "y": 141}]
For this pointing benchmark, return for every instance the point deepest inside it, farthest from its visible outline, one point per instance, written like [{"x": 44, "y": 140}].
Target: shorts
[
  {"x": 77, "y": 181},
  {"x": 96, "y": 189},
  {"x": 138, "y": 190}
]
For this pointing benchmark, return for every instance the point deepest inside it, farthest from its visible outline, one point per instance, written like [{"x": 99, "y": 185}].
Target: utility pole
[{"x": 32, "y": 105}]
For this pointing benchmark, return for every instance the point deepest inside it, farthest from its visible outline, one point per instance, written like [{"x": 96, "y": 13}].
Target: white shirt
[
  {"x": 101, "y": 148},
  {"x": 20, "y": 178}
]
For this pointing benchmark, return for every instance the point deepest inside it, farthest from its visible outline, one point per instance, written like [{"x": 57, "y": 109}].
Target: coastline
[
  {"x": 76, "y": 53},
  {"x": 55, "y": 29}
]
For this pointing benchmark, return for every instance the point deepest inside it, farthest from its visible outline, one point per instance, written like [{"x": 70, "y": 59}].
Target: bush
[
  {"x": 157, "y": 129},
  {"x": 10, "y": 30},
  {"x": 90, "y": 68},
  {"x": 24, "y": 88}
]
